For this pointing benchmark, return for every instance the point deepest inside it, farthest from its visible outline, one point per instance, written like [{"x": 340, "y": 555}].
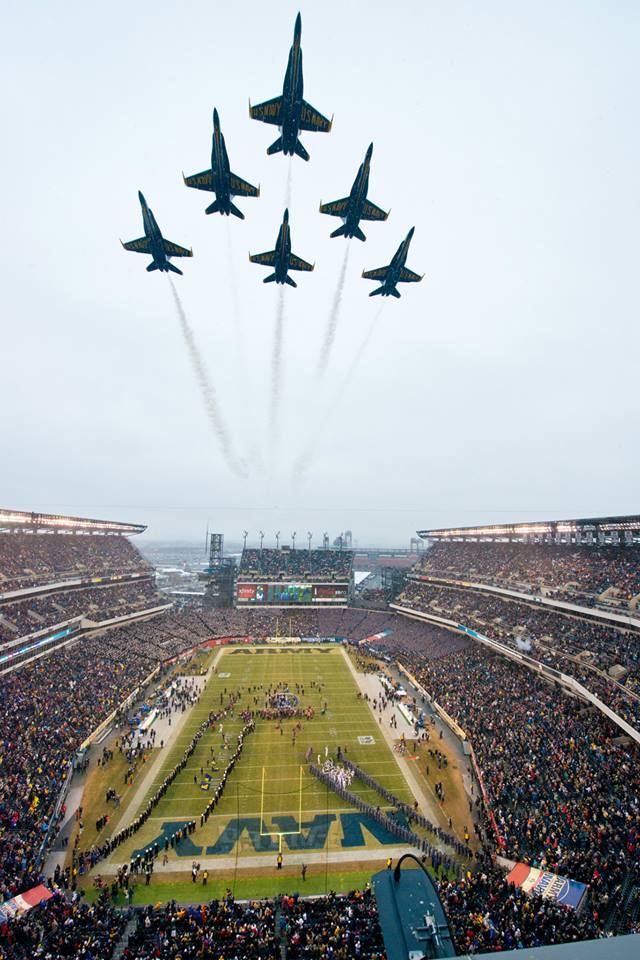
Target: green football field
[{"x": 270, "y": 783}]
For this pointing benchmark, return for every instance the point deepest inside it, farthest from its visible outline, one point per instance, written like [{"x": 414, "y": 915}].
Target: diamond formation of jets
[
  {"x": 290, "y": 112},
  {"x": 219, "y": 178},
  {"x": 281, "y": 259},
  {"x": 355, "y": 207},
  {"x": 154, "y": 243},
  {"x": 395, "y": 272}
]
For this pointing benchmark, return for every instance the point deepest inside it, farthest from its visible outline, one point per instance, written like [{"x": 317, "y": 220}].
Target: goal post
[{"x": 280, "y": 833}]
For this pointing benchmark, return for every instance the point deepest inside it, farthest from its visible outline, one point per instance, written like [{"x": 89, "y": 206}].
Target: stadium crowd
[
  {"x": 302, "y": 564},
  {"x": 37, "y": 613},
  {"x": 578, "y": 647},
  {"x": 488, "y": 914},
  {"x": 30, "y": 559},
  {"x": 63, "y": 928},
  {"x": 578, "y": 573},
  {"x": 563, "y": 792}
]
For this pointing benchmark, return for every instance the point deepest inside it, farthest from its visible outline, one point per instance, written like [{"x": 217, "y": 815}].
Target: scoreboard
[{"x": 250, "y": 594}]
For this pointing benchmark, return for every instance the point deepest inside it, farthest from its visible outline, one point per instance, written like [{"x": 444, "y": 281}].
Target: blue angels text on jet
[
  {"x": 219, "y": 179},
  {"x": 154, "y": 243},
  {"x": 355, "y": 207},
  {"x": 394, "y": 273},
  {"x": 290, "y": 112},
  {"x": 281, "y": 259}
]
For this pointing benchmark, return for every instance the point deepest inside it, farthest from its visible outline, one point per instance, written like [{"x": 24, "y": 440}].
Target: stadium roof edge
[
  {"x": 605, "y": 525},
  {"x": 13, "y": 519}
]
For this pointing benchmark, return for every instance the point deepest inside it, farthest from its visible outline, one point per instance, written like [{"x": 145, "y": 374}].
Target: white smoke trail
[
  {"x": 254, "y": 454},
  {"x": 305, "y": 459},
  {"x": 334, "y": 314},
  {"x": 207, "y": 390},
  {"x": 238, "y": 326},
  {"x": 276, "y": 375}
]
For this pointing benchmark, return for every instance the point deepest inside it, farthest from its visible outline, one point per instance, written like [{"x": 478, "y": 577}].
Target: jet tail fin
[
  {"x": 213, "y": 207},
  {"x": 152, "y": 266},
  {"x": 340, "y": 232},
  {"x": 376, "y": 293},
  {"x": 173, "y": 269},
  {"x": 234, "y": 210},
  {"x": 359, "y": 234},
  {"x": 276, "y": 147},
  {"x": 291, "y": 282},
  {"x": 300, "y": 150},
  {"x": 270, "y": 279}
]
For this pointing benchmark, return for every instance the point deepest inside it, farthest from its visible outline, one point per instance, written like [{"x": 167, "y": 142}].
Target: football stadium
[
  {"x": 320, "y": 598},
  {"x": 248, "y": 779}
]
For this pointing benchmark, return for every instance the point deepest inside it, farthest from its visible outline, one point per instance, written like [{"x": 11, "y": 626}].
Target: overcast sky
[{"x": 504, "y": 386}]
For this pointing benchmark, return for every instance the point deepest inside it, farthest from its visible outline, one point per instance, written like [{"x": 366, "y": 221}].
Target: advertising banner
[{"x": 292, "y": 594}]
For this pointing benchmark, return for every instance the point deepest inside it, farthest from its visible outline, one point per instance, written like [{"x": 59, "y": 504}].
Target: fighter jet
[
  {"x": 355, "y": 207},
  {"x": 290, "y": 112},
  {"x": 395, "y": 272},
  {"x": 281, "y": 258},
  {"x": 154, "y": 243},
  {"x": 219, "y": 178}
]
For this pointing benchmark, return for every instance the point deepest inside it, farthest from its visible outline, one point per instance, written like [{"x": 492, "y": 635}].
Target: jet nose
[
  {"x": 411, "y": 233},
  {"x": 141, "y": 198},
  {"x": 216, "y": 118},
  {"x": 298, "y": 28},
  {"x": 285, "y": 219},
  {"x": 369, "y": 152}
]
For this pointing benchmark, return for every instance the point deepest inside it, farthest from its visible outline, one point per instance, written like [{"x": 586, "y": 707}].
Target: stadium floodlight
[
  {"x": 293, "y": 540},
  {"x": 245, "y": 534},
  {"x": 261, "y": 539},
  {"x": 277, "y": 539},
  {"x": 309, "y": 535},
  {"x": 325, "y": 540}
]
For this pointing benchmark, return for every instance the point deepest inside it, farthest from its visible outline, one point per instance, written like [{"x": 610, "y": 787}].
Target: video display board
[{"x": 291, "y": 594}]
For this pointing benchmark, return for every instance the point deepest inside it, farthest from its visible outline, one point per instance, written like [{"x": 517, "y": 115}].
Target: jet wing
[
  {"x": 371, "y": 212},
  {"x": 175, "y": 250},
  {"x": 408, "y": 276},
  {"x": 269, "y": 112},
  {"x": 297, "y": 263},
  {"x": 312, "y": 119},
  {"x": 267, "y": 259},
  {"x": 141, "y": 245},
  {"x": 200, "y": 181},
  {"x": 337, "y": 208},
  {"x": 240, "y": 188},
  {"x": 378, "y": 274}
]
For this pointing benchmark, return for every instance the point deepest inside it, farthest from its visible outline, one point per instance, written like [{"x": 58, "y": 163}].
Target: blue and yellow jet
[
  {"x": 281, "y": 258},
  {"x": 395, "y": 272},
  {"x": 355, "y": 207},
  {"x": 219, "y": 178},
  {"x": 154, "y": 243},
  {"x": 290, "y": 112}
]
